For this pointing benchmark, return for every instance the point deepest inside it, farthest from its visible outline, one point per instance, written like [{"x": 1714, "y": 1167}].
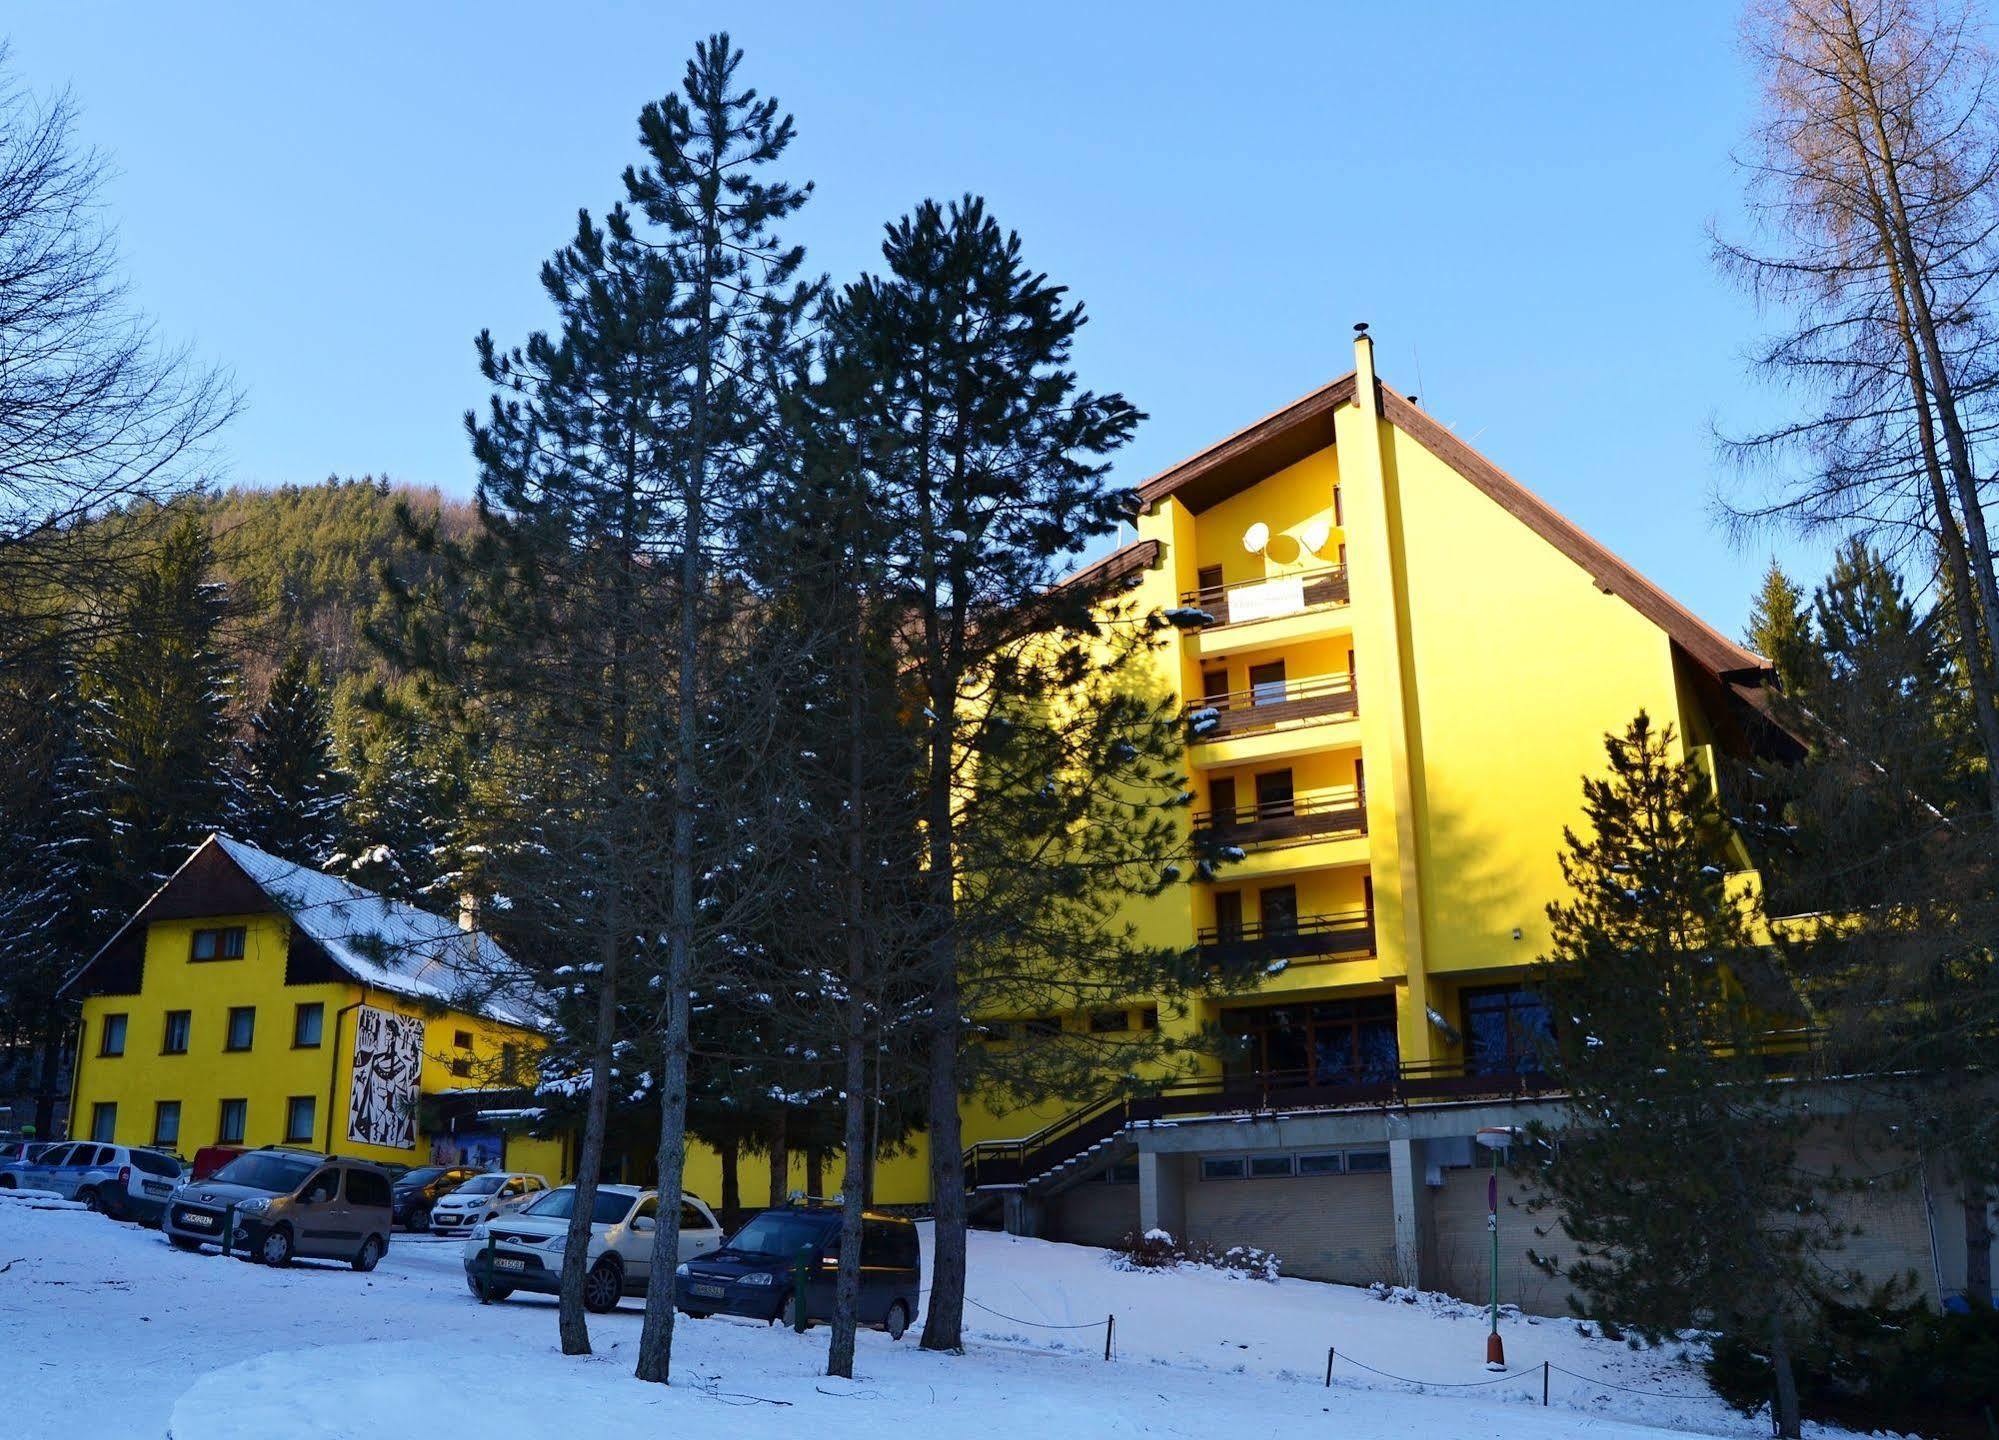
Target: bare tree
[{"x": 96, "y": 415}]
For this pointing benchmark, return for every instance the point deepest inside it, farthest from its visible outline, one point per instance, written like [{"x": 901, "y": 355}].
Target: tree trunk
[
  {"x": 48, "y": 1086},
  {"x": 570, "y": 1321},
  {"x": 1977, "y": 1245},
  {"x": 854, "y": 1134},
  {"x": 780, "y": 1157},
  {"x": 815, "y": 1174},
  {"x": 1789, "y": 1422},
  {"x": 732, "y": 1182}
]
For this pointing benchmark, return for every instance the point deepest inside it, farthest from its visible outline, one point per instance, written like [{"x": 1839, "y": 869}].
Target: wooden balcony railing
[
  {"x": 1245, "y": 600},
  {"x": 1307, "y": 937},
  {"x": 1307, "y": 816},
  {"x": 1271, "y": 705}
]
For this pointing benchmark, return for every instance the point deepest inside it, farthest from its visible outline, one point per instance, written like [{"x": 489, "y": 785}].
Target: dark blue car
[{"x": 753, "y": 1274}]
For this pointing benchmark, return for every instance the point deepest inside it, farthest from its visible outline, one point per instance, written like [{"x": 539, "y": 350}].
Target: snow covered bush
[{"x": 1160, "y": 1250}]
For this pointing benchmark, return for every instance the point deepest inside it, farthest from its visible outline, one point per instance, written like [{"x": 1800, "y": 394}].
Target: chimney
[
  {"x": 1363, "y": 369},
  {"x": 468, "y": 912}
]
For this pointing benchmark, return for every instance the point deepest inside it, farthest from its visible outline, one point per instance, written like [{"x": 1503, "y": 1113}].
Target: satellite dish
[
  {"x": 1315, "y": 536},
  {"x": 1256, "y": 537}
]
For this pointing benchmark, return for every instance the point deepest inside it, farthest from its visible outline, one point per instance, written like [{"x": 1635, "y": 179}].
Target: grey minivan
[{"x": 286, "y": 1205}]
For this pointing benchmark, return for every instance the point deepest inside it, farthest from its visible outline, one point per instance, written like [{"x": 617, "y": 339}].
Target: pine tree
[
  {"x": 1674, "y": 1169},
  {"x": 163, "y": 689},
  {"x": 398, "y": 837},
  {"x": 1780, "y": 628},
  {"x": 987, "y": 465},
  {"x": 290, "y": 793},
  {"x": 49, "y": 857}
]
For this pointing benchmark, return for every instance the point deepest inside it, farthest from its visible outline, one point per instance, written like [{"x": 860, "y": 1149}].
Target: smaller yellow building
[{"x": 252, "y": 1001}]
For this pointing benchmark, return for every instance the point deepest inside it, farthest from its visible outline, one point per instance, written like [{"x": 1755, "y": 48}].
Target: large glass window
[
  {"x": 307, "y": 1022},
  {"x": 1330, "y": 1042},
  {"x": 235, "y": 1117},
  {"x": 242, "y": 1027},
  {"x": 174, "y": 1041},
  {"x": 104, "y": 1121},
  {"x": 1505, "y": 1029},
  {"x": 166, "y": 1122},
  {"x": 300, "y": 1120},
  {"x": 111, "y": 1040},
  {"x": 225, "y": 944}
]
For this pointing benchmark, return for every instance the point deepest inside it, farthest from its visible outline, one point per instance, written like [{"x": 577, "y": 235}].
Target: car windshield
[
  {"x": 608, "y": 1209},
  {"x": 779, "y": 1232},
  {"x": 482, "y": 1185},
  {"x": 279, "y": 1174},
  {"x": 421, "y": 1177}
]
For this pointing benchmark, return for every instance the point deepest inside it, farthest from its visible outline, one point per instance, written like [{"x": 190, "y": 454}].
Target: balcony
[
  {"x": 1294, "y": 819},
  {"x": 1272, "y": 706},
  {"x": 1268, "y": 599},
  {"x": 1309, "y": 937}
]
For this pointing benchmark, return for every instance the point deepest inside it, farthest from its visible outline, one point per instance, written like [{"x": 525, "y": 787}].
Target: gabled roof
[
  {"x": 1306, "y": 425},
  {"x": 378, "y": 942}
]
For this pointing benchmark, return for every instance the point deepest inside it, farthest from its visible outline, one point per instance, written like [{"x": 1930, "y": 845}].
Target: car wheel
[
  {"x": 6, "y": 1182},
  {"x": 277, "y": 1247},
  {"x": 183, "y": 1242},
  {"x": 896, "y": 1322},
  {"x": 494, "y": 1292},
  {"x": 604, "y": 1286},
  {"x": 420, "y": 1220},
  {"x": 370, "y": 1256},
  {"x": 92, "y": 1201},
  {"x": 112, "y": 1203}
]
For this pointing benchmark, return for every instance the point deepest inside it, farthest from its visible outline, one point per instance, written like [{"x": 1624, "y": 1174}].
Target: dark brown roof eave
[{"x": 1231, "y": 466}]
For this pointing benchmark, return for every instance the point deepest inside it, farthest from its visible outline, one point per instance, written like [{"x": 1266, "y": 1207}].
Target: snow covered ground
[{"x": 107, "y": 1330}]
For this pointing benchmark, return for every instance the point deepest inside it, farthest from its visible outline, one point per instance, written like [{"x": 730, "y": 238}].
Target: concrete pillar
[
  {"x": 1408, "y": 1197},
  {"x": 1162, "y": 1200},
  {"x": 1021, "y": 1213}
]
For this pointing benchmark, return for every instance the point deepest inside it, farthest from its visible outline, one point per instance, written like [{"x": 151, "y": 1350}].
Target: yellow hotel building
[{"x": 251, "y": 1002}]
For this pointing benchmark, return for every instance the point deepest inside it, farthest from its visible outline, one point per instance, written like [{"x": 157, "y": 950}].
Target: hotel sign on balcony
[{"x": 1283, "y": 596}]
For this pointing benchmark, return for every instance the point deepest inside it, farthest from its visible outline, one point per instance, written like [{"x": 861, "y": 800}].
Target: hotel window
[
  {"x": 1339, "y": 510},
  {"x": 1505, "y": 1028},
  {"x": 1329, "y": 1162},
  {"x": 1221, "y": 1167},
  {"x": 104, "y": 1122},
  {"x": 1266, "y": 683},
  {"x": 1042, "y": 1027},
  {"x": 510, "y": 1063},
  {"x": 235, "y": 1120},
  {"x": 1109, "y": 1022},
  {"x": 174, "y": 1041},
  {"x": 1367, "y": 1162},
  {"x": 1277, "y": 909},
  {"x": 1208, "y": 580},
  {"x": 299, "y": 1120},
  {"x": 112, "y": 1039},
  {"x": 221, "y": 944},
  {"x": 462, "y": 1039},
  {"x": 242, "y": 1027},
  {"x": 1325, "y": 1042},
  {"x": 1148, "y": 1018},
  {"x": 1125, "y": 1172},
  {"x": 307, "y": 1022},
  {"x": 1269, "y": 1167},
  {"x": 1274, "y": 795},
  {"x": 461, "y": 1068},
  {"x": 166, "y": 1122}
]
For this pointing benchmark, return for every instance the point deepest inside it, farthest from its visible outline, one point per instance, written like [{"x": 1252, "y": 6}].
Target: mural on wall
[
  {"x": 480, "y": 1149},
  {"x": 388, "y": 1061}
]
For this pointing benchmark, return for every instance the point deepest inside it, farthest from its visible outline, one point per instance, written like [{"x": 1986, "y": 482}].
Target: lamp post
[{"x": 1495, "y": 1138}]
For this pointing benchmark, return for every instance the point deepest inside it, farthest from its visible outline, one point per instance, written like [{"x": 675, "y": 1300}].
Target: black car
[
  {"x": 752, "y": 1274},
  {"x": 419, "y": 1189}
]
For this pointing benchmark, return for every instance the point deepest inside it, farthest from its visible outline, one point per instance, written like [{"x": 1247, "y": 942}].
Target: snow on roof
[{"x": 390, "y": 945}]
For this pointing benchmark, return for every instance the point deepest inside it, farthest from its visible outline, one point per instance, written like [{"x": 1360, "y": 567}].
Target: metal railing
[
  {"x": 1310, "y": 815},
  {"x": 1000, "y": 1164},
  {"x": 1347, "y": 933},
  {"x": 1319, "y": 588},
  {"x": 1272, "y": 704}
]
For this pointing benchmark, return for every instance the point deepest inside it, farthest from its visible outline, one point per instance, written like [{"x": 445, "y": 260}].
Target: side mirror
[{"x": 644, "y": 1225}]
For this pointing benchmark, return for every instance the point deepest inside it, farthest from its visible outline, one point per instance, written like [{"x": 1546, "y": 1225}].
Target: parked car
[
  {"x": 527, "y": 1248},
  {"x": 485, "y": 1197},
  {"x": 19, "y": 1156},
  {"x": 753, "y": 1273},
  {"x": 210, "y": 1158},
  {"x": 418, "y": 1191},
  {"x": 126, "y": 1182},
  {"x": 288, "y": 1204}
]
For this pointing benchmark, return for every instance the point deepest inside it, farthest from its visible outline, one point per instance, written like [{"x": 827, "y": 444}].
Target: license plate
[
  {"x": 200, "y": 1222},
  {"x": 713, "y": 1292},
  {"x": 154, "y": 1187},
  {"x": 503, "y": 1263}
]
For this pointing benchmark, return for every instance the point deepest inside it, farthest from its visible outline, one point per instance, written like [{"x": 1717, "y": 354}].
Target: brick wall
[{"x": 1332, "y": 1227}]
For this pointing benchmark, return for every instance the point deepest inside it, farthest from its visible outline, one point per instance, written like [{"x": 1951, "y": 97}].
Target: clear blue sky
[{"x": 333, "y": 200}]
